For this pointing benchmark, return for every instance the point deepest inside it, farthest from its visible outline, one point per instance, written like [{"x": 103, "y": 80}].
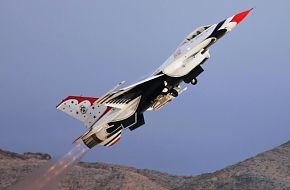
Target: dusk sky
[{"x": 54, "y": 48}]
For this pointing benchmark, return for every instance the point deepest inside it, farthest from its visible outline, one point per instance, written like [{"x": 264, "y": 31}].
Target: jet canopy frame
[{"x": 195, "y": 33}]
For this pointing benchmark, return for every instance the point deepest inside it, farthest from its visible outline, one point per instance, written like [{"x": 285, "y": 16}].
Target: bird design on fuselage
[{"x": 117, "y": 110}]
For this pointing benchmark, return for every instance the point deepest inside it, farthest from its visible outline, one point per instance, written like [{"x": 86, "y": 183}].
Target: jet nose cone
[{"x": 239, "y": 17}]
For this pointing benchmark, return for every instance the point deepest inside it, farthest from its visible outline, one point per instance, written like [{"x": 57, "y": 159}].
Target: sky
[{"x": 54, "y": 48}]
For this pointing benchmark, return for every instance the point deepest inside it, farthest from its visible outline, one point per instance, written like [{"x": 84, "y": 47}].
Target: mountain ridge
[{"x": 267, "y": 170}]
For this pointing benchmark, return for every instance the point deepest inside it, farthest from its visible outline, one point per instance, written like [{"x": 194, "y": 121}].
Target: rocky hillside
[{"x": 268, "y": 170}]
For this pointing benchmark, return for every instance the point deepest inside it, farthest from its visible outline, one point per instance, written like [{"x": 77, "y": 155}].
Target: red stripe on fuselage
[{"x": 115, "y": 141}]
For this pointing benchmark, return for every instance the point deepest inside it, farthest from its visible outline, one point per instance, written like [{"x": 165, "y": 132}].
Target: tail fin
[{"x": 85, "y": 109}]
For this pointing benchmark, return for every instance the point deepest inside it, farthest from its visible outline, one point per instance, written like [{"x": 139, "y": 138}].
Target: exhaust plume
[{"x": 48, "y": 177}]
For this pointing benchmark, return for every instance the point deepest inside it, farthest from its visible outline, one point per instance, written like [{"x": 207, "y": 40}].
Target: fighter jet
[{"x": 106, "y": 117}]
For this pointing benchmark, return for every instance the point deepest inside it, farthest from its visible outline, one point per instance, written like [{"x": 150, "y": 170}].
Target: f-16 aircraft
[{"x": 106, "y": 117}]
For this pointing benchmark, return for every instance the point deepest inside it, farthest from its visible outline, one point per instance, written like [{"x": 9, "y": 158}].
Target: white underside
[{"x": 184, "y": 65}]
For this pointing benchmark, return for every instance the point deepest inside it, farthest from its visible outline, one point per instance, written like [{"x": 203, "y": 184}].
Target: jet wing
[
  {"x": 123, "y": 96},
  {"x": 143, "y": 81}
]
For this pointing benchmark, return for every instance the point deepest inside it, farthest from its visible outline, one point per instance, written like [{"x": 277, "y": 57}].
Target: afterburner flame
[{"x": 49, "y": 176}]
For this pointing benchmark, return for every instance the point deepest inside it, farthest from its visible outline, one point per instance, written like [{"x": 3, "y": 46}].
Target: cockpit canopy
[{"x": 195, "y": 33}]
